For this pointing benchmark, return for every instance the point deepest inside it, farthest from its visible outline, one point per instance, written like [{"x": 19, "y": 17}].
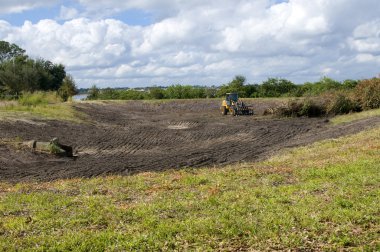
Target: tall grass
[
  {"x": 38, "y": 98},
  {"x": 42, "y": 105}
]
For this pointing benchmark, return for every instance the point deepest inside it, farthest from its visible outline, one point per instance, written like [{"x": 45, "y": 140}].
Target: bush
[
  {"x": 93, "y": 93},
  {"x": 156, "y": 93},
  {"x": 368, "y": 93},
  {"x": 342, "y": 104},
  {"x": 311, "y": 108},
  {"x": 297, "y": 108},
  {"x": 131, "y": 94},
  {"x": 68, "y": 88}
]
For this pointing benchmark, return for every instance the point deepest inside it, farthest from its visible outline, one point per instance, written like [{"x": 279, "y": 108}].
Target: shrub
[
  {"x": 312, "y": 108},
  {"x": 368, "y": 93},
  {"x": 342, "y": 104},
  {"x": 93, "y": 93},
  {"x": 156, "y": 93},
  {"x": 68, "y": 88},
  {"x": 297, "y": 108},
  {"x": 293, "y": 109}
]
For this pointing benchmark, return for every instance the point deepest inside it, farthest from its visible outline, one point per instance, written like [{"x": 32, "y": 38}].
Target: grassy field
[
  {"x": 43, "y": 105},
  {"x": 321, "y": 197}
]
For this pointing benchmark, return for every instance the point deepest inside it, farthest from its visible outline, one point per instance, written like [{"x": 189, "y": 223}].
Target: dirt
[{"x": 131, "y": 137}]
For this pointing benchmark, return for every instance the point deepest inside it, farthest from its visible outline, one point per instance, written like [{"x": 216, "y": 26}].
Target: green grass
[
  {"x": 321, "y": 197},
  {"x": 62, "y": 111},
  {"x": 355, "y": 116},
  {"x": 45, "y": 105}
]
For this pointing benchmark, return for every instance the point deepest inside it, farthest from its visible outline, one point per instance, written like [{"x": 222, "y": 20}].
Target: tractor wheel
[{"x": 224, "y": 110}]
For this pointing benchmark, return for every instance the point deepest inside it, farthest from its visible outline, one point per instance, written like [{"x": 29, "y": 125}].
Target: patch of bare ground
[{"x": 130, "y": 137}]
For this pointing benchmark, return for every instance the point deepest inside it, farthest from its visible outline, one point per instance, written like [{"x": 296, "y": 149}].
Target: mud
[{"x": 126, "y": 138}]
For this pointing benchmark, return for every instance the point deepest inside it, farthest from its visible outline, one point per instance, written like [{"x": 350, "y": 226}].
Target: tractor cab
[
  {"x": 233, "y": 105},
  {"x": 232, "y": 98}
]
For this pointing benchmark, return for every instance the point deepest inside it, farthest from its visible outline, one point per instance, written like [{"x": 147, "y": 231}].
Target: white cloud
[
  {"x": 208, "y": 43},
  {"x": 11, "y": 6},
  {"x": 67, "y": 13}
]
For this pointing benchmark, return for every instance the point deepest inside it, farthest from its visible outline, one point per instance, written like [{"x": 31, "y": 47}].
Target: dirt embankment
[{"x": 124, "y": 138}]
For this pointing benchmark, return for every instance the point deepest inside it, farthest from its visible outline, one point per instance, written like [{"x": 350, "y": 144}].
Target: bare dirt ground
[{"x": 125, "y": 138}]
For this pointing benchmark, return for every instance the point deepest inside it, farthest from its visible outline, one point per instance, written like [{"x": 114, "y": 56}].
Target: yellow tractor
[{"x": 232, "y": 104}]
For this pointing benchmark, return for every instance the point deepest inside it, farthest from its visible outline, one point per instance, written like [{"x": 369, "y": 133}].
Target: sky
[{"x": 112, "y": 43}]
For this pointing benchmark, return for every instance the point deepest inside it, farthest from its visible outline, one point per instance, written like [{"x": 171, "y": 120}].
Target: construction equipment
[{"x": 232, "y": 104}]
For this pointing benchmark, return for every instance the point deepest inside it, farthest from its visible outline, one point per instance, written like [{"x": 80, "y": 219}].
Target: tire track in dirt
[{"x": 131, "y": 137}]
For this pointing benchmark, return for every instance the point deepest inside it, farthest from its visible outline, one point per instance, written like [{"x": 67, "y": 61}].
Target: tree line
[
  {"x": 19, "y": 73},
  {"x": 272, "y": 87}
]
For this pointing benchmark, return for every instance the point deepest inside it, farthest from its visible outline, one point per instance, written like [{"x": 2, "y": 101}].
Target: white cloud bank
[{"x": 208, "y": 43}]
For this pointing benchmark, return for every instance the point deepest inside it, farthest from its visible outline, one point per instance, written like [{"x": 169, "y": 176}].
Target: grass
[
  {"x": 45, "y": 105},
  {"x": 61, "y": 111},
  {"x": 322, "y": 197},
  {"x": 355, "y": 116}
]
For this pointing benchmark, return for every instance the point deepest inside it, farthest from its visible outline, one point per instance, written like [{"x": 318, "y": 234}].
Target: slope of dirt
[{"x": 125, "y": 138}]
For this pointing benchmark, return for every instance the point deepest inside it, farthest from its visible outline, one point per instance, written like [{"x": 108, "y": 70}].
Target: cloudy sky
[{"x": 160, "y": 42}]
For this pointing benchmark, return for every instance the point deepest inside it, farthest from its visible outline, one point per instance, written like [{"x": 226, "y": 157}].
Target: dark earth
[{"x": 128, "y": 137}]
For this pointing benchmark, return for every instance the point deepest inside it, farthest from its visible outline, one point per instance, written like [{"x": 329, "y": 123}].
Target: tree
[
  {"x": 350, "y": 84},
  {"x": 10, "y": 51},
  {"x": 93, "y": 93},
  {"x": 274, "y": 87},
  {"x": 20, "y": 73},
  {"x": 238, "y": 82},
  {"x": 251, "y": 90},
  {"x": 326, "y": 84},
  {"x": 68, "y": 88},
  {"x": 211, "y": 92},
  {"x": 178, "y": 92},
  {"x": 11, "y": 78},
  {"x": 235, "y": 86},
  {"x": 156, "y": 93}
]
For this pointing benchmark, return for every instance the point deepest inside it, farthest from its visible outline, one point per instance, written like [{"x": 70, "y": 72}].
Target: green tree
[
  {"x": 130, "y": 94},
  {"x": 211, "y": 92},
  {"x": 11, "y": 77},
  {"x": 235, "y": 86},
  {"x": 20, "y": 73},
  {"x": 10, "y": 51},
  {"x": 68, "y": 88},
  {"x": 178, "y": 92},
  {"x": 274, "y": 87},
  {"x": 156, "y": 93},
  {"x": 251, "y": 90},
  {"x": 349, "y": 84},
  {"x": 93, "y": 93},
  {"x": 109, "y": 94},
  {"x": 238, "y": 82},
  {"x": 324, "y": 85}
]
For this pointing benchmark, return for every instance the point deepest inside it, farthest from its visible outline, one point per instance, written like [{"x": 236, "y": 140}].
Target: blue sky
[
  {"x": 130, "y": 16},
  {"x": 163, "y": 42},
  {"x": 34, "y": 15}
]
